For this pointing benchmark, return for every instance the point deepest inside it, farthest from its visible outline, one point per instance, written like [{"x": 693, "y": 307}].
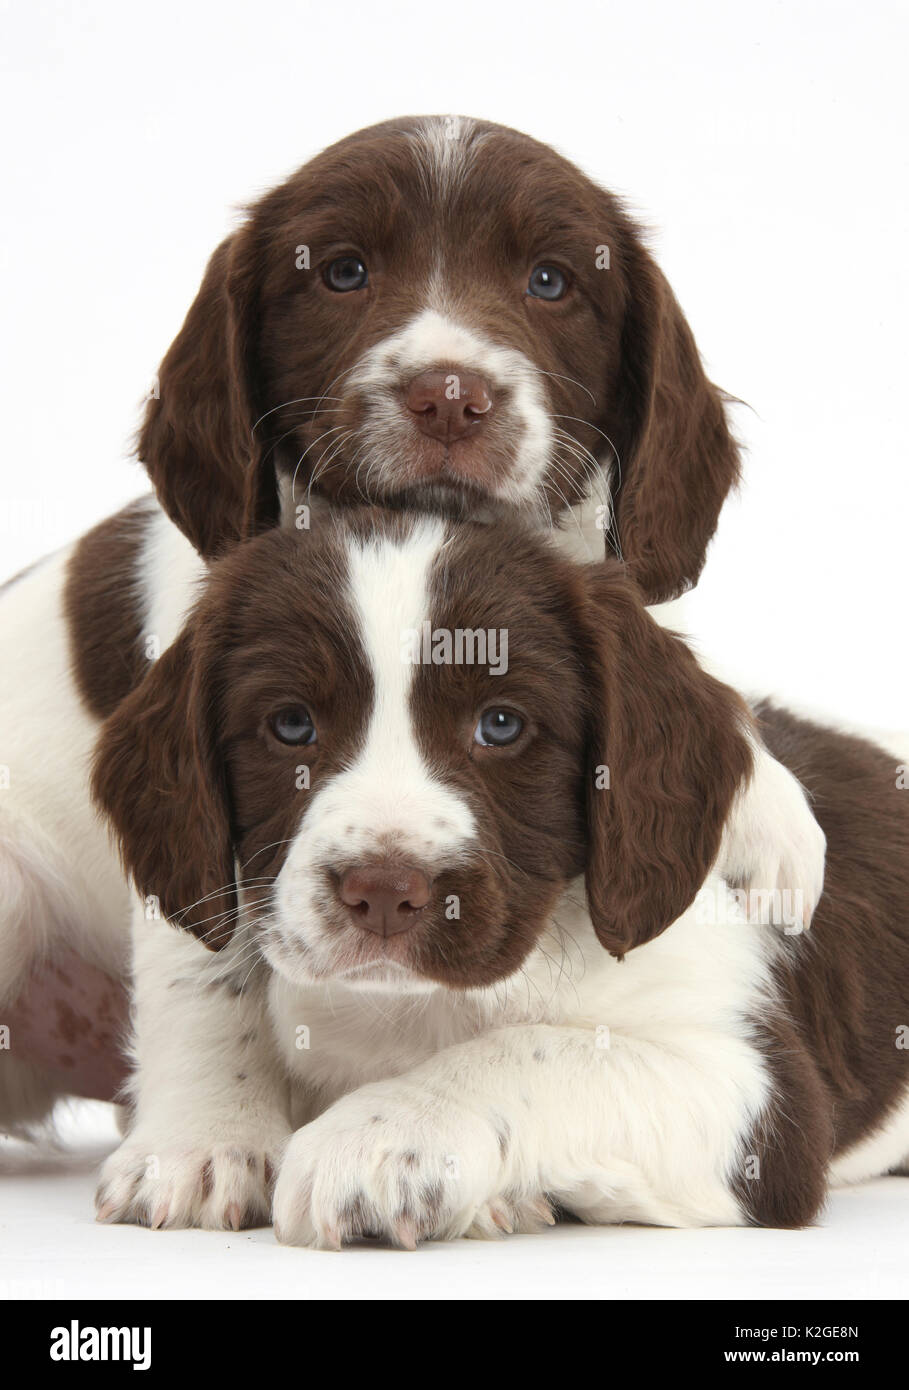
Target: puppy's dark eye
[
  {"x": 347, "y": 273},
  {"x": 293, "y": 725},
  {"x": 547, "y": 282},
  {"x": 497, "y": 728}
]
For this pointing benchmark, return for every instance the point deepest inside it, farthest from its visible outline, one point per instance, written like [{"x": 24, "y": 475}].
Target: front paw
[
  {"x": 396, "y": 1164},
  {"x": 220, "y": 1186},
  {"x": 774, "y": 849}
]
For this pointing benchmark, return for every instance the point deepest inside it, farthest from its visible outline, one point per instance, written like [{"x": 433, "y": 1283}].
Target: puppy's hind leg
[
  {"x": 31, "y": 903},
  {"x": 62, "y": 1016}
]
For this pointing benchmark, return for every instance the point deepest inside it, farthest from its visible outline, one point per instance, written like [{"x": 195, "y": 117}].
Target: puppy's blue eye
[
  {"x": 547, "y": 282},
  {"x": 347, "y": 273},
  {"x": 497, "y": 728},
  {"x": 293, "y": 725}
]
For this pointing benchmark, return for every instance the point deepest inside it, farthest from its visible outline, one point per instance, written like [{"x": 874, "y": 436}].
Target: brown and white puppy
[
  {"x": 449, "y": 807},
  {"x": 78, "y": 632},
  {"x": 442, "y": 311}
]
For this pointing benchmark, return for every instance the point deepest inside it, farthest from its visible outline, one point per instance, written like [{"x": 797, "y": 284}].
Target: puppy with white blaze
[
  {"x": 457, "y": 953},
  {"x": 434, "y": 314}
]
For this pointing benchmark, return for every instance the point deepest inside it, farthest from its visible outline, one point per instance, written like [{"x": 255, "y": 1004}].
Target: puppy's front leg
[
  {"x": 773, "y": 847},
  {"x": 472, "y": 1138},
  {"x": 209, "y": 1099}
]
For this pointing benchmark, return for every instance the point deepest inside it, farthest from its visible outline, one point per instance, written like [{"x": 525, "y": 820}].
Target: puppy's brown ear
[
  {"x": 197, "y": 440},
  {"x": 677, "y": 457},
  {"x": 157, "y": 776},
  {"x": 668, "y": 750}
]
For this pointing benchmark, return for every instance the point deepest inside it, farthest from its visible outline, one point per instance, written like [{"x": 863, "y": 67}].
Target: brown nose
[
  {"x": 385, "y": 899},
  {"x": 448, "y": 405}
]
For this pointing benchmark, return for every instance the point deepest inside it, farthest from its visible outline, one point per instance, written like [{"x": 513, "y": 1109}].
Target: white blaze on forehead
[
  {"x": 444, "y": 146},
  {"x": 388, "y": 581},
  {"x": 387, "y": 795},
  {"x": 389, "y": 591}
]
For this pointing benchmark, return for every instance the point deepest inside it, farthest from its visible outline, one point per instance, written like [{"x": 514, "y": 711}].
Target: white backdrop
[{"x": 765, "y": 146}]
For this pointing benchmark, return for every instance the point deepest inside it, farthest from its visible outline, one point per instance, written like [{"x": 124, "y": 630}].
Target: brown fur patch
[
  {"x": 103, "y": 606},
  {"x": 844, "y": 988}
]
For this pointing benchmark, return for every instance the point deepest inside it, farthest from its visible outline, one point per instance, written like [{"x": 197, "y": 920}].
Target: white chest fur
[{"x": 699, "y": 985}]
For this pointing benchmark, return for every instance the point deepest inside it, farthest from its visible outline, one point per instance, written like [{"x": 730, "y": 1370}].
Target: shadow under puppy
[{"x": 464, "y": 935}]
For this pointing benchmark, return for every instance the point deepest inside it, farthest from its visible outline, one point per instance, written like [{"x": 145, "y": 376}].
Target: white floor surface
[{"x": 50, "y": 1247}]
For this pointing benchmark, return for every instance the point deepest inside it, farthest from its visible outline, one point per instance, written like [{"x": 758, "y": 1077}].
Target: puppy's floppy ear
[
  {"x": 157, "y": 776},
  {"x": 197, "y": 440},
  {"x": 677, "y": 456},
  {"x": 668, "y": 750}
]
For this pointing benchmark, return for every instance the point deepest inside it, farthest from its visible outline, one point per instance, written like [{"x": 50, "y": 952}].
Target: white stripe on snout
[
  {"x": 388, "y": 798},
  {"x": 389, "y": 587},
  {"x": 436, "y": 338}
]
